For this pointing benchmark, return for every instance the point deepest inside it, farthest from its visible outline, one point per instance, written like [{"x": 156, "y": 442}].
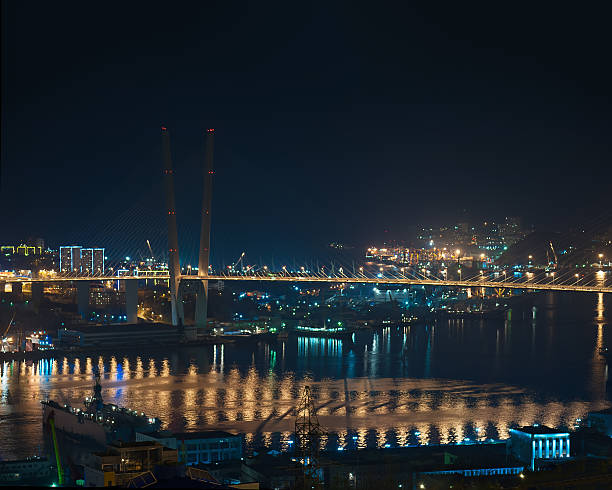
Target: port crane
[
  {"x": 554, "y": 254},
  {"x": 150, "y": 250},
  {"x": 6, "y": 331},
  {"x": 8, "y": 327},
  {"x": 233, "y": 266}
]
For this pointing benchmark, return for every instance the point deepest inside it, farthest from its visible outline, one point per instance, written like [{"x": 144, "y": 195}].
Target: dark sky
[{"x": 333, "y": 122}]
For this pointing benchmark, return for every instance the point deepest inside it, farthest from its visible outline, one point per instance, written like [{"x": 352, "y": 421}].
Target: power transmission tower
[{"x": 308, "y": 434}]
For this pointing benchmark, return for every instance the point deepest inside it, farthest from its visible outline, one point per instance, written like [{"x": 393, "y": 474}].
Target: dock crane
[
  {"x": 556, "y": 263},
  {"x": 8, "y": 327},
  {"x": 6, "y": 331},
  {"x": 233, "y": 266},
  {"x": 150, "y": 250}
]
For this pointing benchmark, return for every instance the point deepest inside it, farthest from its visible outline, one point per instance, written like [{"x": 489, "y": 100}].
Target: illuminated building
[
  {"x": 88, "y": 261},
  {"x": 22, "y": 249},
  {"x": 199, "y": 447},
  {"x": 533, "y": 444},
  {"x": 92, "y": 261},
  {"x": 70, "y": 259},
  {"x": 124, "y": 461},
  {"x": 98, "y": 260}
]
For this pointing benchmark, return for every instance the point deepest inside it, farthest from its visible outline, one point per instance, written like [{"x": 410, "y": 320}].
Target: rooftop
[
  {"x": 136, "y": 444},
  {"x": 540, "y": 429},
  {"x": 206, "y": 434},
  {"x": 121, "y": 328}
]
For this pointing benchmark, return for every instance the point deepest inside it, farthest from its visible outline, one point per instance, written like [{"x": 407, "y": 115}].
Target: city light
[{"x": 449, "y": 279}]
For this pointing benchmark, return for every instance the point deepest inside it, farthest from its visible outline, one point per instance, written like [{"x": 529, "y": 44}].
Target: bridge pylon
[
  {"x": 174, "y": 266},
  {"x": 201, "y": 310}
]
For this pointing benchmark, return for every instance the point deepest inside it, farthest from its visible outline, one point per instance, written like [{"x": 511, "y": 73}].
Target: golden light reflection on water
[
  {"x": 210, "y": 389},
  {"x": 600, "y": 308},
  {"x": 139, "y": 372}
]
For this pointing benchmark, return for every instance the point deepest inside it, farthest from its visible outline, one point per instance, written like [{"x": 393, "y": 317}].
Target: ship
[{"x": 98, "y": 422}]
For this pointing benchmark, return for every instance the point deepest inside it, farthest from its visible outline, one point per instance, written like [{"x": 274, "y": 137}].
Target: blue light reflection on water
[{"x": 425, "y": 383}]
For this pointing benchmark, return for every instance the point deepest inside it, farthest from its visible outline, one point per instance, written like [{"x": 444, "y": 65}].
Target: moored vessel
[{"x": 98, "y": 422}]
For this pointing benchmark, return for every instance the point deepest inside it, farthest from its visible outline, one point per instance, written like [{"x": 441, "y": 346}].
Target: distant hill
[{"x": 572, "y": 248}]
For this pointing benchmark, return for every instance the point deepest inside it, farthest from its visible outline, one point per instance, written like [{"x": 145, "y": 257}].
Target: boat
[
  {"x": 99, "y": 422},
  {"x": 321, "y": 332}
]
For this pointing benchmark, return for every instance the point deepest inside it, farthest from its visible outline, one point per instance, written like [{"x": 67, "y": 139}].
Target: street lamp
[{"x": 600, "y": 257}]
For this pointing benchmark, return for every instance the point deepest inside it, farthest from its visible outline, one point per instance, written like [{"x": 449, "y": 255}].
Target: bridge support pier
[
  {"x": 131, "y": 300},
  {"x": 37, "y": 295},
  {"x": 201, "y": 309},
  {"x": 82, "y": 288}
]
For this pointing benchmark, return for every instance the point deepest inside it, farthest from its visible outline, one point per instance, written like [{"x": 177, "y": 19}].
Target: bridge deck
[{"x": 409, "y": 281}]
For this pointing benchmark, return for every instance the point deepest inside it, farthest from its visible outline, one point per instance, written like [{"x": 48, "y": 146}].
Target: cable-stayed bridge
[
  {"x": 597, "y": 282},
  {"x": 530, "y": 279}
]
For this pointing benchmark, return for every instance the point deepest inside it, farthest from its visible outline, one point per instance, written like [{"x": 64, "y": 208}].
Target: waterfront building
[
  {"x": 539, "y": 444},
  {"x": 123, "y": 461},
  {"x": 601, "y": 421},
  {"x": 33, "y": 471},
  {"x": 117, "y": 335},
  {"x": 199, "y": 447}
]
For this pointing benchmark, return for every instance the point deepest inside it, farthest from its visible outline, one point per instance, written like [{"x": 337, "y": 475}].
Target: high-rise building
[
  {"x": 92, "y": 261},
  {"x": 87, "y": 261},
  {"x": 70, "y": 258},
  {"x": 98, "y": 260}
]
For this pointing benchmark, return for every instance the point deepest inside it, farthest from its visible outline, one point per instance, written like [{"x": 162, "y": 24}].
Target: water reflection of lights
[
  {"x": 257, "y": 398},
  {"x": 313, "y": 346},
  {"x": 152, "y": 369},
  {"x": 139, "y": 373},
  {"x": 600, "y": 307}
]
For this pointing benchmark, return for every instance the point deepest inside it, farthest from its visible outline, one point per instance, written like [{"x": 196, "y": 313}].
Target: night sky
[{"x": 333, "y": 122}]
